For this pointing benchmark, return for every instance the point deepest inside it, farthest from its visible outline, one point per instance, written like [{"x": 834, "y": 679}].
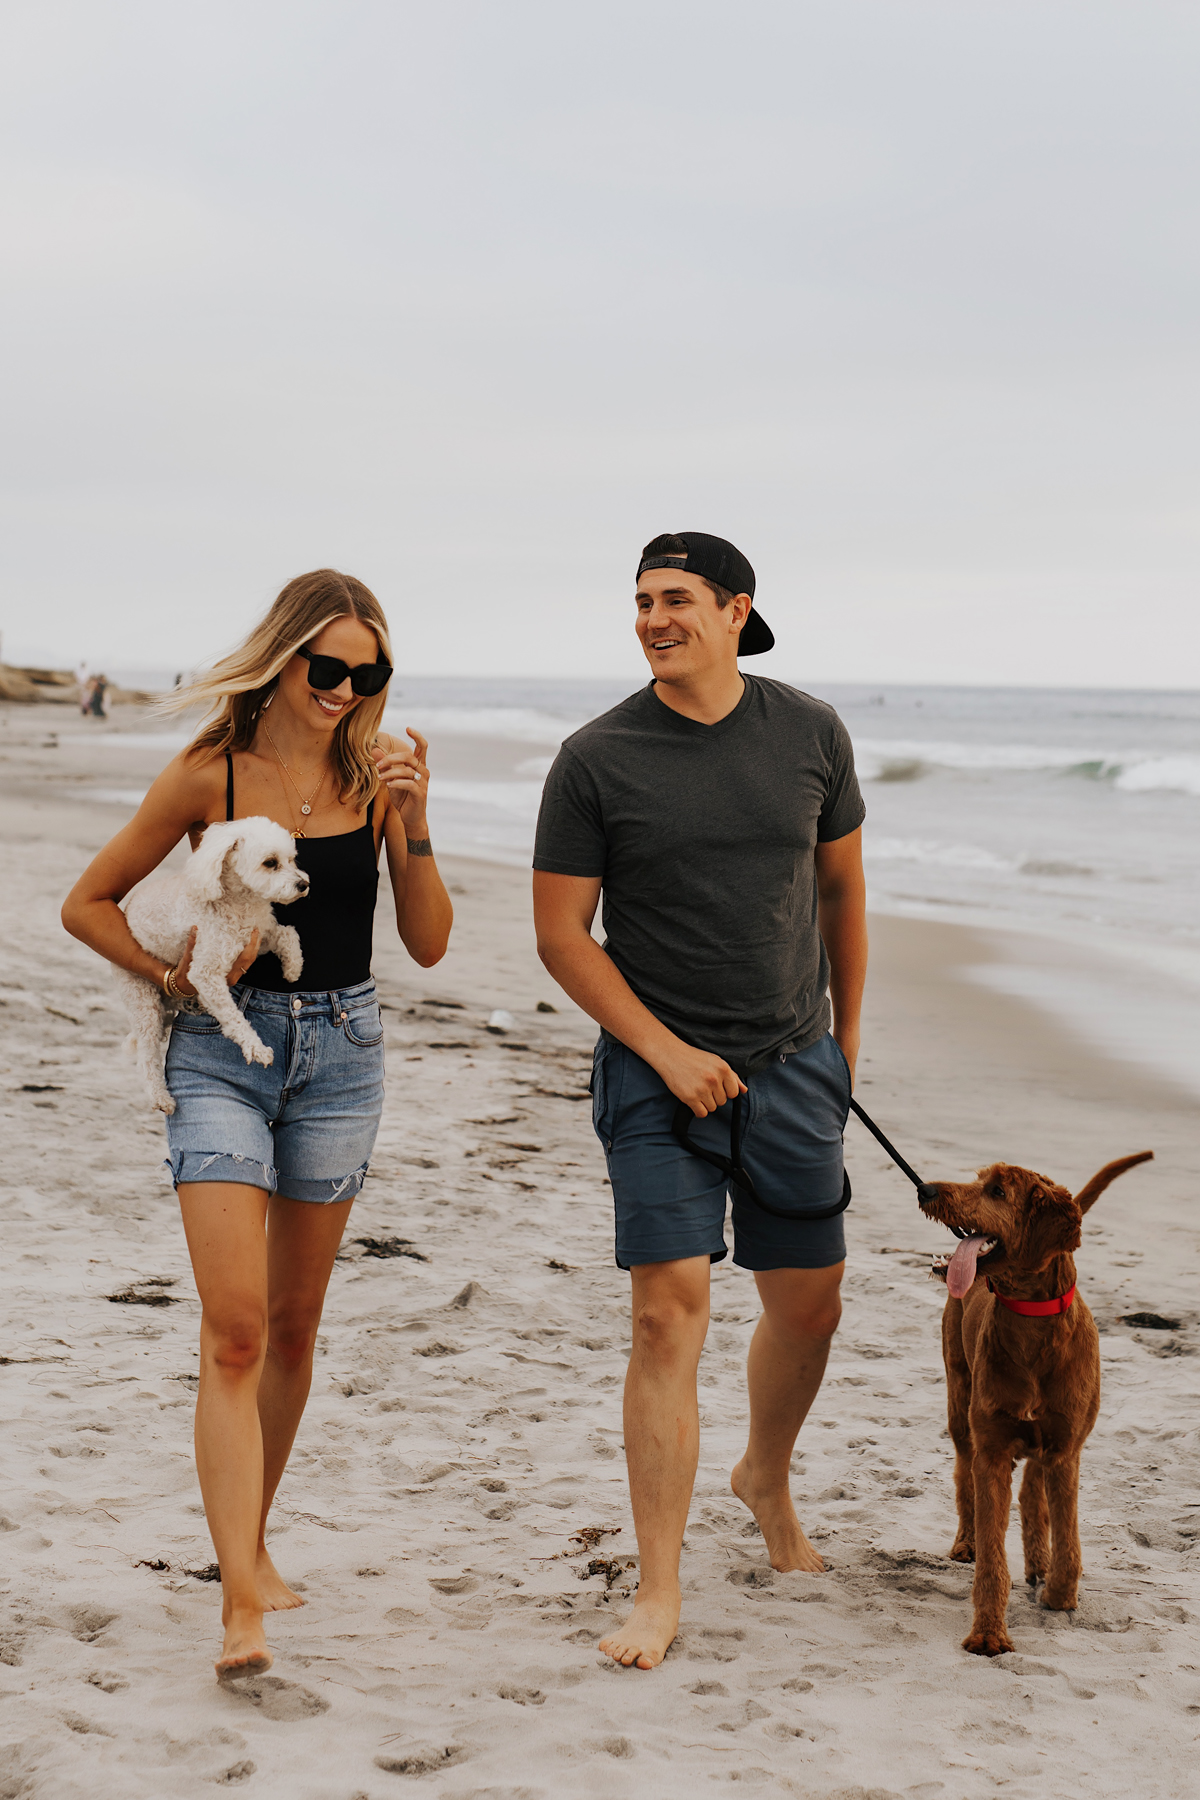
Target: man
[{"x": 720, "y": 815}]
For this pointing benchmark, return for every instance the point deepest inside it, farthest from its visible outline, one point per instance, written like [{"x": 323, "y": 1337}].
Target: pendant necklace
[{"x": 305, "y": 805}]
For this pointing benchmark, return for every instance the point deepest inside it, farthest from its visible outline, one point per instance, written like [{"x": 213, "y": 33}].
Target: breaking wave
[
  {"x": 524, "y": 724},
  {"x": 1132, "y": 771}
]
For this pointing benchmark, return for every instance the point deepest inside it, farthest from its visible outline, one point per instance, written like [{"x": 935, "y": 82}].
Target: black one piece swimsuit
[{"x": 335, "y": 918}]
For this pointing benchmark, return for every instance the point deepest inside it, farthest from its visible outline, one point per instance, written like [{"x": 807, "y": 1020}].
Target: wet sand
[{"x": 465, "y": 1418}]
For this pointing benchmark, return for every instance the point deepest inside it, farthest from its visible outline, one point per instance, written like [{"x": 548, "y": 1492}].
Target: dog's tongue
[{"x": 960, "y": 1274}]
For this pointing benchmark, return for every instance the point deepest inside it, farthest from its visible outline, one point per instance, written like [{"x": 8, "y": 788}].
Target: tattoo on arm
[{"x": 419, "y": 846}]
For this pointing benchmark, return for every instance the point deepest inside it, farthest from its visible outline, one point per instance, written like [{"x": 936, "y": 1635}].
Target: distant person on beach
[
  {"x": 267, "y": 1161},
  {"x": 97, "y": 688},
  {"x": 81, "y": 682},
  {"x": 721, "y": 818}
]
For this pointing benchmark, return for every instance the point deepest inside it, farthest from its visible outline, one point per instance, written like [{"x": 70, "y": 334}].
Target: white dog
[{"x": 225, "y": 892}]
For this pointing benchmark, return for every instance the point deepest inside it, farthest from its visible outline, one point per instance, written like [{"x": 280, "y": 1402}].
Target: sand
[{"x": 465, "y": 1418}]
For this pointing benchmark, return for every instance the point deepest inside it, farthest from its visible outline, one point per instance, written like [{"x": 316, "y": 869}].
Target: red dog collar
[{"x": 1035, "y": 1309}]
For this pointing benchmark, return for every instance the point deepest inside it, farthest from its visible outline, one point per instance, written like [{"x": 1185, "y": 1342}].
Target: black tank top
[{"x": 334, "y": 918}]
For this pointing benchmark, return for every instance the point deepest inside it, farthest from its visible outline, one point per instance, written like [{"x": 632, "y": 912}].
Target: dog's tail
[{"x": 1091, "y": 1191}]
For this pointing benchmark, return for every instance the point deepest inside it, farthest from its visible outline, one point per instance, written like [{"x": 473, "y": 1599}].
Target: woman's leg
[
  {"x": 224, "y": 1223},
  {"x": 302, "y": 1241}
]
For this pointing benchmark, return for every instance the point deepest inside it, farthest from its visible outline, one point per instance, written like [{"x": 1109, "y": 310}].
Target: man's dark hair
[{"x": 670, "y": 545}]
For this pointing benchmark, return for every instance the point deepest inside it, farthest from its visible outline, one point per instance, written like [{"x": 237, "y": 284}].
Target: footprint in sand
[
  {"x": 753, "y": 1577},
  {"x": 453, "y": 1584},
  {"x": 523, "y": 1696},
  {"x": 235, "y": 1774},
  {"x": 89, "y": 1621},
  {"x": 715, "y": 1645},
  {"x": 85, "y": 1727},
  {"x": 107, "y": 1681},
  {"x": 274, "y": 1697},
  {"x": 421, "y": 1759}
]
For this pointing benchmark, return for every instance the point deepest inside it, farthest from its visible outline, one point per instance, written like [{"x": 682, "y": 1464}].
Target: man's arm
[
  {"x": 563, "y": 909},
  {"x": 842, "y": 917}
]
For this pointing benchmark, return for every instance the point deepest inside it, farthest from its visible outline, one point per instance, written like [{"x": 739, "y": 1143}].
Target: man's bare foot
[
  {"x": 787, "y": 1546},
  {"x": 647, "y": 1634},
  {"x": 245, "y": 1651},
  {"x": 274, "y": 1594}
]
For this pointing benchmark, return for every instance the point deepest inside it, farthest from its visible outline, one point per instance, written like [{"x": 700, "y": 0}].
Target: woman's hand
[
  {"x": 405, "y": 775},
  {"x": 247, "y": 956}
]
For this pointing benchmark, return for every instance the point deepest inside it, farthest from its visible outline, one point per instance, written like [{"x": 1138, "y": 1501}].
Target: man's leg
[
  {"x": 788, "y": 1353},
  {"x": 662, "y": 1444}
]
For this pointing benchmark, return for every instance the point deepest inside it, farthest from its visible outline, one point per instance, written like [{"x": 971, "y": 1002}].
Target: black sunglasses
[{"x": 326, "y": 672}]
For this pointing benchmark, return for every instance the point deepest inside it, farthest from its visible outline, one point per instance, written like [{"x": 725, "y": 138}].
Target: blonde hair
[{"x": 237, "y": 689}]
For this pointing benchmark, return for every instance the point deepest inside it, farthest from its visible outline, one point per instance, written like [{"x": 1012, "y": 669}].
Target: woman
[{"x": 266, "y": 1162}]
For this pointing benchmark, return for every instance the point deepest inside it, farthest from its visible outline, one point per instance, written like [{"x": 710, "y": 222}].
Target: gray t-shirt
[{"x": 704, "y": 838}]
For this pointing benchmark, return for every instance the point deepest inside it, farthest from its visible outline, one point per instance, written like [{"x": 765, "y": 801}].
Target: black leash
[
  {"x": 891, "y": 1149},
  {"x": 732, "y": 1168}
]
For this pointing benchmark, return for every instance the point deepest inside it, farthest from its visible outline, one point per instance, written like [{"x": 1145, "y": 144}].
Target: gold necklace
[{"x": 305, "y": 805}]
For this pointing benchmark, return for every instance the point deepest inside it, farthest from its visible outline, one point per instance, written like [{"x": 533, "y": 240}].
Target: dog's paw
[
  {"x": 259, "y": 1052},
  {"x": 962, "y": 1551},
  {"x": 1061, "y": 1599},
  {"x": 988, "y": 1642},
  {"x": 163, "y": 1103},
  {"x": 1034, "y": 1576}
]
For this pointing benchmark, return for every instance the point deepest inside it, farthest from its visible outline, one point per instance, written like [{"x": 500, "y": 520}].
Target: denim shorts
[
  {"x": 305, "y": 1127},
  {"x": 670, "y": 1204}
]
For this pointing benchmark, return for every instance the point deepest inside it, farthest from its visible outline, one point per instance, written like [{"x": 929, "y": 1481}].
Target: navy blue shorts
[{"x": 670, "y": 1204}]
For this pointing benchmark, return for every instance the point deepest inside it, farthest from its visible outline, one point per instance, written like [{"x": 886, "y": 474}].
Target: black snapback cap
[{"x": 713, "y": 559}]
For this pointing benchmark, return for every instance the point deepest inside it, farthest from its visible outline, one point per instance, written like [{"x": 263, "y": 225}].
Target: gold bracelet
[{"x": 169, "y": 987}]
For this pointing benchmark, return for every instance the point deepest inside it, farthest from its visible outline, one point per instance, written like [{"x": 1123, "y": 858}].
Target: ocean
[
  {"x": 1069, "y": 815},
  {"x": 1071, "y": 818},
  {"x": 1027, "y": 806}
]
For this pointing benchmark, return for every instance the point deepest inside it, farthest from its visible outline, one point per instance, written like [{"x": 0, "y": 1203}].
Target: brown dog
[{"x": 1022, "y": 1376}]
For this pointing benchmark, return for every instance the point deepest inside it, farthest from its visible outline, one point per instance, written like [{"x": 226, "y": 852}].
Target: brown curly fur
[{"x": 1019, "y": 1387}]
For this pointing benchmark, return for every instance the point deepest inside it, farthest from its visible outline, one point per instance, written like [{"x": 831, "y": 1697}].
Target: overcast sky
[{"x": 472, "y": 299}]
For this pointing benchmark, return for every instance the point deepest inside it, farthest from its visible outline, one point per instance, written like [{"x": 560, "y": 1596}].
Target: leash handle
[
  {"x": 891, "y": 1149},
  {"x": 731, "y": 1166}
]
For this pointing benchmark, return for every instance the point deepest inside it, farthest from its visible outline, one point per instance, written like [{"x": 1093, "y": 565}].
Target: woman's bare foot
[
  {"x": 245, "y": 1651},
  {"x": 273, "y": 1591},
  {"x": 647, "y": 1634},
  {"x": 787, "y": 1546}
]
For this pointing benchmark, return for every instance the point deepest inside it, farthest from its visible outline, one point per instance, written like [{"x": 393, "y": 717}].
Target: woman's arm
[
  {"x": 183, "y": 796},
  {"x": 424, "y": 914}
]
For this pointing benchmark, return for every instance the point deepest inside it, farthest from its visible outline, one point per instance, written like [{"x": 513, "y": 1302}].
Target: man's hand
[
  {"x": 243, "y": 961},
  {"x": 702, "y": 1081}
]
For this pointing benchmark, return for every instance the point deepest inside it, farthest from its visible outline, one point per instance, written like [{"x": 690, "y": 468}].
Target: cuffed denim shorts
[
  {"x": 305, "y": 1127},
  {"x": 671, "y": 1204}
]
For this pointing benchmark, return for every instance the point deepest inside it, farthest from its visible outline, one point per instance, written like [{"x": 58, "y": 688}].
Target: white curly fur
[{"x": 225, "y": 891}]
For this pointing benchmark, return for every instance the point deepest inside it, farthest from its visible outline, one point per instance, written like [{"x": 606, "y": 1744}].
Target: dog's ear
[
  {"x": 206, "y": 871},
  {"x": 1091, "y": 1191},
  {"x": 1053, "y": 1215}
]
